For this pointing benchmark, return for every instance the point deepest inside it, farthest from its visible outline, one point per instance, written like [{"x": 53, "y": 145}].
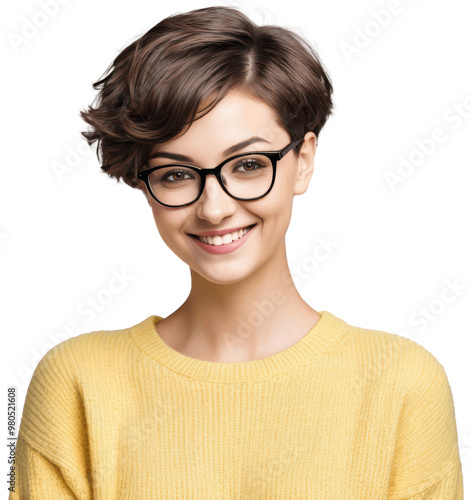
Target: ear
[{"x": 305, "y": 167}]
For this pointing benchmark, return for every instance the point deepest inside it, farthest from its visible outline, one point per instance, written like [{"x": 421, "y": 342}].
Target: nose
[{"x": 214, "y": 203}]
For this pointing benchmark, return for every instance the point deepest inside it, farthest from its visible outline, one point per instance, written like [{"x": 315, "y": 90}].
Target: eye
[
  {"x": 179, "y": 176},
  {"x": 248, "y": 165},
  {"x": 173, "y": 176}
]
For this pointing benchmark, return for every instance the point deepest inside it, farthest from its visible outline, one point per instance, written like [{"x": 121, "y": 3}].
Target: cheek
[
  {"x": 275, "y": 210},
  {"x": 168, "y": 224},
  {"x": 279, "y": 201}
]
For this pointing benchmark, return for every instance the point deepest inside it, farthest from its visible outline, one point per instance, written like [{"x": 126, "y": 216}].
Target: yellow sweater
[{"x": 345, "y": 413}]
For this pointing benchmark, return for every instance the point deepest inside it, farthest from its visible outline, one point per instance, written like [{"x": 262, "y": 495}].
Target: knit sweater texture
[{"x": 344, "y": 413}]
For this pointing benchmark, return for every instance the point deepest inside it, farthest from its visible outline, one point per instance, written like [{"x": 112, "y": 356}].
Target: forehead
[{"x": 236, "y": 118}]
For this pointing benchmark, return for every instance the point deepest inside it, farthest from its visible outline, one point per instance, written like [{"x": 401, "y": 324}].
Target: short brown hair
[{"x": 156, "y": 85}]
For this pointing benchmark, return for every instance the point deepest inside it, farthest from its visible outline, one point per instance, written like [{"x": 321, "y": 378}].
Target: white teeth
[
  {"x": 224, "y": 239},
  {"x": 227, "y": 238}
]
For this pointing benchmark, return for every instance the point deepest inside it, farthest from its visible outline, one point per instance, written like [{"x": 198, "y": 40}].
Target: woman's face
[{"x": 234, "y": 119}]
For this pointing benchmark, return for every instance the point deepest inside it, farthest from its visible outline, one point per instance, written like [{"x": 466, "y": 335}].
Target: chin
[{"x": 225, "y": 276}]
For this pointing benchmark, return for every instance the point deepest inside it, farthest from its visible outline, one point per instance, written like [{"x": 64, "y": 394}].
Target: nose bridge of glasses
[{"x": 216, "y": 177}]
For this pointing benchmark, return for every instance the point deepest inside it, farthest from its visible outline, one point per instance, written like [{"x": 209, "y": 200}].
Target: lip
[
  {"x": 220, "y": 232},
  {"x": 226, "y": 248}
]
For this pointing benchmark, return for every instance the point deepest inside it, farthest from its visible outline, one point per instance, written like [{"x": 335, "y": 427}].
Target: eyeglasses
[{"x": 246, "y": 177}]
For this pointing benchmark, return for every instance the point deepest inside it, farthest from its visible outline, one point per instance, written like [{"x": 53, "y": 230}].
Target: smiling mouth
[{"x": 225, "y": 239}]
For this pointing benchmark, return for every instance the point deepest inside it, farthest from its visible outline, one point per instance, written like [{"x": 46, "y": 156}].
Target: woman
[{"x": 245, "y": 391}]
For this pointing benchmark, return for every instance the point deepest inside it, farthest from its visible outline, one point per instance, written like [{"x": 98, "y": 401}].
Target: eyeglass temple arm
[{"x": 290, "y": 146}]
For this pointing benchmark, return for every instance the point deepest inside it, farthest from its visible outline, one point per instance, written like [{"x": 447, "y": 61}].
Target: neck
[{"x": 250, "y": 319}]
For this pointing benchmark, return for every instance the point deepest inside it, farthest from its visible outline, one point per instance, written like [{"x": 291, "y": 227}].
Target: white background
[{"x": 398, "y": 250}]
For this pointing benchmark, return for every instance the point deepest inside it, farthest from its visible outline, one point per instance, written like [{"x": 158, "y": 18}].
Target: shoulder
[
  {"x": 380, "y": 354},
  {"x": 81, "y": 353}
]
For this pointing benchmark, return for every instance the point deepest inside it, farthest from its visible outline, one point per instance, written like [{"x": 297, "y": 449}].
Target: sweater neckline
[{"x": 323, "y": 337}]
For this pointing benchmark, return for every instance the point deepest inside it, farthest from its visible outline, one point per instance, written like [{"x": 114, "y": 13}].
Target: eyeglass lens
[{"x": 245, "y": 177}]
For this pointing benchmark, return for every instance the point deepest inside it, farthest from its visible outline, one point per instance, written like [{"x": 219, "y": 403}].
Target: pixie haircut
[{"x": 155, "y": 87}]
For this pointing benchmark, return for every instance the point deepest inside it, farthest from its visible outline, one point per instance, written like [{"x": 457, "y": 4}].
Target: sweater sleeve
[
  {"x": 426, "y": 463},
  {"x": 52, "y": 456},
  {"x": 450, "y": 487},
  {"x": 37, "y": 477}
]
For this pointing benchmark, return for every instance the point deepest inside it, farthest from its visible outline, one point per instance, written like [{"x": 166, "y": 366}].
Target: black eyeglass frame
[{"x": 273, "y": 156}]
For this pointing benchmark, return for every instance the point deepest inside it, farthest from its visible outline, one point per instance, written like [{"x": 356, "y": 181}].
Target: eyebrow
[{"x": 227, "y": 152}]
